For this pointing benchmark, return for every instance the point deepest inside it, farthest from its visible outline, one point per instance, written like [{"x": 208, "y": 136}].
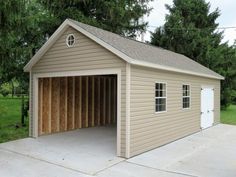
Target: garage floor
[{"x": 210, "y": 153}]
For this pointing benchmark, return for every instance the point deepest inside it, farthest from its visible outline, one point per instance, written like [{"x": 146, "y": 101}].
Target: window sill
[
  {"x": 186, "y": 109},
  {"x": 160, "y": 112}
]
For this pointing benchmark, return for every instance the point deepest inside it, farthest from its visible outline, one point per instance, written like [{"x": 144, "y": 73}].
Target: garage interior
[{"x": 68, "y": 103}]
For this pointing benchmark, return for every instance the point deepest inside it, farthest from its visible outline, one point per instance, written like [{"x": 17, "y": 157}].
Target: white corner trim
[
  {"x": 118, "y": 141},
  {"x": 128, "y": 75},
  {"x": 35, "y": 106},
  {"x": 30, "y": 105}
]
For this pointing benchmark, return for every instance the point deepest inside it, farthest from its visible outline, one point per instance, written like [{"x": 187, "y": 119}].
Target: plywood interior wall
[{"x": 67, "y": 103}]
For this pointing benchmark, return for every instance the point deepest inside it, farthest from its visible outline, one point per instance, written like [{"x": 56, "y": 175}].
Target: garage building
[{"x": 85, "y": 77}]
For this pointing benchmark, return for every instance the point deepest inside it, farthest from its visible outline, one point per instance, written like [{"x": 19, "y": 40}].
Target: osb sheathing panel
[{"x": 67, "y": 103}]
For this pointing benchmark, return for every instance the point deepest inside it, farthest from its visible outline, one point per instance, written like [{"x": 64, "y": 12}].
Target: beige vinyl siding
[
  {"x": 85, "y": 55},
  {"x": 149, "y": 129}
]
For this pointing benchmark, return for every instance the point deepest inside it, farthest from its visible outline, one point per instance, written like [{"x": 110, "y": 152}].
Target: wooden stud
[
  {"x": 115, "y": 101},
  {"x": 89, "y": 101},
  {"x": 86, "y": 102},
  {"x": 58, "y": 97},
  {"x": 69, "y": 103},
  {"x": 104, "y": 100},
  {"x": 62, "y": 111},
  {"x": 112, "y": 100},
  {"x": 80, "y": 102},
  {"x": 77, "y": 103},
  {"x": 66, "y": 101},
  {"x": 73, "y": 103},
  {"x": 55, "y": 99},
  {"x": 109, "y": 100},
  {"x": 93, "y": 101},
  {"x": 99, "y": 101},
  {"x": 50, "y": 106},
  {"x": 96, "y": 101},
  {"x": 45, "y": 113}
]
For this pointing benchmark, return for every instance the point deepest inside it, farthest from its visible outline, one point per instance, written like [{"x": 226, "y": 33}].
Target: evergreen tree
[
  {"x": 121, "y": 17},
  {"x": 191, "y": 29},
  {"x": 22, "y": 32},
  {"x": 11, "y": 22}
]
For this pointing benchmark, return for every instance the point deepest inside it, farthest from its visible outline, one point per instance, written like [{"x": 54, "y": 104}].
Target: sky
[{"x": 226, "y": 19}]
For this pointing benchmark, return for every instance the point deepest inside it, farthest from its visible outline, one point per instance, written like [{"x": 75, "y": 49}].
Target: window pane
[
  {"x": 186, "y": 102},
  {"x": 156, "y": 94},
  {"x": 164, "y": 93},
  {"x": 187, "y": 87},
  {"x": 161, "y": 86},
  {"x": 163, "y": 101},
  {"x": 157, "y": 101},
  {"x": 188, "y": 93},
  {"x": 161, "y": 94},
  {"x": 160, "y": 104}
]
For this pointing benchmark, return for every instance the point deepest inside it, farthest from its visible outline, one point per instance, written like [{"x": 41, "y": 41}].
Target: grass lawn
[
  {"x": 228, "y": 116},
  {"x": 10, "y": 116}
]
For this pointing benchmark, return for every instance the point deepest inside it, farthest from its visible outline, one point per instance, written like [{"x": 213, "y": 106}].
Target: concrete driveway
[{"x": 210, "y": 153}]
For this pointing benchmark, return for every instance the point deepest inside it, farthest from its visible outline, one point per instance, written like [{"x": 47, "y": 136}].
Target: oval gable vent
[{"x": 70, "y": 40}]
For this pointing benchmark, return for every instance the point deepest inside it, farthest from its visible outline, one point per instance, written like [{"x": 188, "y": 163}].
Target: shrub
[{"x": 5, "y": 89}]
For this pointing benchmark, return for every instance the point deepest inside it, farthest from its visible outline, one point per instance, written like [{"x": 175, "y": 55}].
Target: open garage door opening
[{"x": 78, "y": 102}]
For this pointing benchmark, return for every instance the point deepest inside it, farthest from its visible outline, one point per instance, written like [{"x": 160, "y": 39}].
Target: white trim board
[
  {"x": 79, "y": 73},
  {"x": 127, "y": 129},
  {"x": 112, "y": 49}
]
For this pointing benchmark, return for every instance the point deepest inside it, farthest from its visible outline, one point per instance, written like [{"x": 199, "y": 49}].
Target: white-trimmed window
[
  {"x": 186, "y": 96},
  {"x": 160, "y": 97},
  {"x": 70, "y": 40}
]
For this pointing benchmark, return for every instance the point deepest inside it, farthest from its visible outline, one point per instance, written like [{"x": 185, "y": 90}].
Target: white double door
[{"x": 207, "y": 107}]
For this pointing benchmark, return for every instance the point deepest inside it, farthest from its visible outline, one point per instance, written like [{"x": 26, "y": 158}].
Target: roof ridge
[{"x": 129, "y": 38}]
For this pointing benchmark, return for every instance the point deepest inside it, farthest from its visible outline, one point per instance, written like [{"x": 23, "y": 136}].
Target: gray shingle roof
[{"x": 144, "y": 52}]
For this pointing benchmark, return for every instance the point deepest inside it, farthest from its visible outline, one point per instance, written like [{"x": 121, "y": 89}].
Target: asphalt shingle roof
[{"x": 147, "y": 53}]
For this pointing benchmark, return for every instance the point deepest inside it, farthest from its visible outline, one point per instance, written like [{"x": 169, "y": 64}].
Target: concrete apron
[
  {"x": 209, "y": 153},
  {"x": 87, "y": 150}
]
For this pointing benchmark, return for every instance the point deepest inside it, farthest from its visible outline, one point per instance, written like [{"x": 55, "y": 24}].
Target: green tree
[
  {"x": 23, "y": 31},
  {"x": 121, "y": 17},
  {"x": 10, "y": 21},
  {"x": 191, "y": 29}
]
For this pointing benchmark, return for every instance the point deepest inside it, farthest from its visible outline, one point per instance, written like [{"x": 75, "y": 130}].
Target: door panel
[{"x": 207, "y": 107}]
